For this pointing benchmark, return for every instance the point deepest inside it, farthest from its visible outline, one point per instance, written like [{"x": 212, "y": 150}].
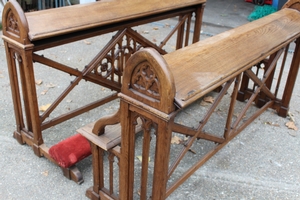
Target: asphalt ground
[{"x": 262, "y": 162}]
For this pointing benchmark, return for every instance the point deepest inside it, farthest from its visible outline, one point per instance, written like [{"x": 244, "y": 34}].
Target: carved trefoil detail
[
  {"x": 145, "y": 81},
  {"x": 13, "y": 26},
  {"x": 111, "y": 66}
]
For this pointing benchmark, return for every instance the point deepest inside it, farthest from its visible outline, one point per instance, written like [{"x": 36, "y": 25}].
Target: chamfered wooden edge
[{"x": 14, "y": 22}]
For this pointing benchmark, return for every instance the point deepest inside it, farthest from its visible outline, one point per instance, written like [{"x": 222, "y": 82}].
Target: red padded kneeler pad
[{"x": 70, "y": 151}]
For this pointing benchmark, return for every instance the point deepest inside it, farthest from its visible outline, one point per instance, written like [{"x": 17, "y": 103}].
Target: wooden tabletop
[
  {"x": 52, "y": 22},
  {"x": 203, "y": 66}
]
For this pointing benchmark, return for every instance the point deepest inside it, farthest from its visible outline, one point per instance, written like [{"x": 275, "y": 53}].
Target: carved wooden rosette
[
  {"x": 147, "y": 78},
  {"x": 14, "y": 23}
]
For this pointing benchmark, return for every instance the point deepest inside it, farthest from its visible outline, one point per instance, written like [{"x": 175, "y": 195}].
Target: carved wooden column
[{"x": 20, "y": 67}]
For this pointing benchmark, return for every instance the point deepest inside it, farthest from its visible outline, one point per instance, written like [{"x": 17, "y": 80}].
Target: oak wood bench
[
  {"x": 247, "y": 62},
  {"x": 26, "y": 34}
]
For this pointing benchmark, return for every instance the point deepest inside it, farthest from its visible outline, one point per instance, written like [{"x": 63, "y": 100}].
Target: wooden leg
[
  {"x": 22, "y": 60},
  {"x": 98, "y": 175},
  {"x": 198, "y": 23},
  {"x": 18, "y": 137},
  {"x": 32, "y": 98},
  {"x": 180, "y": 35},
  {"x": 91, "y": 194},
  {"x": 291, "y": 79},
  {"x": 15, "y": 91},
  {"x": 73, "y": 174},
  {"x": 262, "y": 98},
  {"x": 126, "y": 179},
  {"x": 243, "y": 89},
  {"x": 161, "y": 163}
]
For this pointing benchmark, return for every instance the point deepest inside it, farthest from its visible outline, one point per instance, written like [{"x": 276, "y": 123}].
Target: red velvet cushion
[{"x": 70, "y": 151}]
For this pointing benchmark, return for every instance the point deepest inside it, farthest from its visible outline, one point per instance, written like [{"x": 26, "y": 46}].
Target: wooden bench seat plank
[
  {"x": 208, "y": 62},
  {"x": 68, "y": 19}
]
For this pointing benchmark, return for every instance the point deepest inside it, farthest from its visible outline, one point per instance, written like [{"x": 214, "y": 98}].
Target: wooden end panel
[{"x": 14, "y": 23}]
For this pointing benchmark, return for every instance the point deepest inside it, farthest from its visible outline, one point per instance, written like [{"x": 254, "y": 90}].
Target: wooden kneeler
[{"x": 72, "y": 150}]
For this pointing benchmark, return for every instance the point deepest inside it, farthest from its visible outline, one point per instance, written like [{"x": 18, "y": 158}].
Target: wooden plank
[
  {"x": 203, "y": 66},
  {"x": 52, "y": 22}
]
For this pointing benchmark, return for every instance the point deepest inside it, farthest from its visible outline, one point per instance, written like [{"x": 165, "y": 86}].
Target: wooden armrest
[
  {"x": 110, "y": 138},
  {"x": 99, "y": 126}
]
